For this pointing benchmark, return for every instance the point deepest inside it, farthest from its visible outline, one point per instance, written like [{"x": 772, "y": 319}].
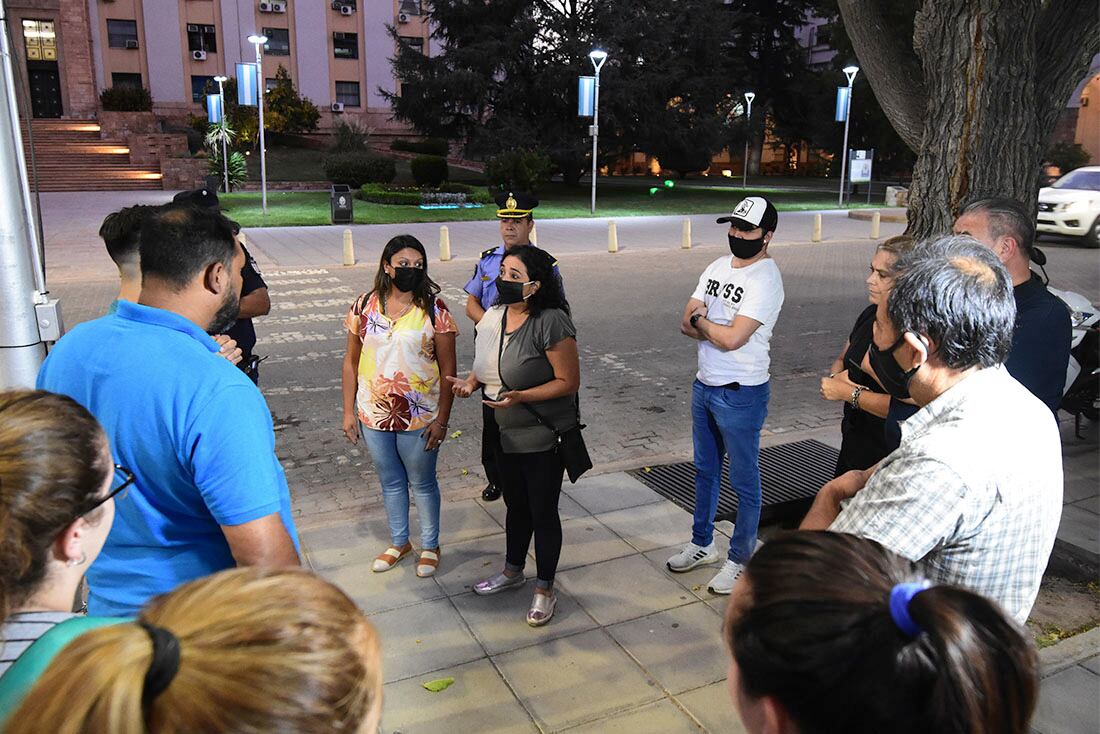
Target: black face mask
[
  {"x": 894, "y": 379},
  {"x": 746, "y": 249},
  {"x": 510, "y": 291},
  {"x": 408, "y": 279}
]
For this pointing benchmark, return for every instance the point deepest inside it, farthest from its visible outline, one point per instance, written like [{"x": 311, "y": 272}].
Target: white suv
[{"x": 1071, "y": 206}]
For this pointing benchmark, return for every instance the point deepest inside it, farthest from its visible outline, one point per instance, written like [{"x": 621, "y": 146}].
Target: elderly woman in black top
[
  {"x": 526, "y": 359},
  {"x": 851, "y": 378}
]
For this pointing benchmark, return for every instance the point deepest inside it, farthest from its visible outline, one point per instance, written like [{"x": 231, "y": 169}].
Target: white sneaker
[
  {"x": 691, "y": 556},
  {"x": 723, "y": 581}
]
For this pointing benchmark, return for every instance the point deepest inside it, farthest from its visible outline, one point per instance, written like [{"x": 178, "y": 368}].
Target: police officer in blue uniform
[{"x": 516, "y": 223}]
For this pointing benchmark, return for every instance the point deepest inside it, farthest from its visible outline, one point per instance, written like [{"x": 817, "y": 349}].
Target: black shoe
[{"x": 490, "y": 493}]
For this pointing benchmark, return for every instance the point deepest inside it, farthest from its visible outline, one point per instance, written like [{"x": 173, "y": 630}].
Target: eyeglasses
[{"x": 119, "y": 487}]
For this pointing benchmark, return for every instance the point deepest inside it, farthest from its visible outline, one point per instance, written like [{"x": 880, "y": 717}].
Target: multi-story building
[{"x": 337, "y": 52}]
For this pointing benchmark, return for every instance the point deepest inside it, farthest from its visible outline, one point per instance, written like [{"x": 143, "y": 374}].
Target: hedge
[
  {"x": 429, "y": 170},
  {"x": 408, "y": 196},
  {"x": 126, "y": 99},
  {"x": 356, "y": 169},
  {"x": 428, "y": 146}
]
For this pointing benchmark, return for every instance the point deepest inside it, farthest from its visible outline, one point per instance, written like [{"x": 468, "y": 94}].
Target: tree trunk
[{"x": 992, "y": 76}]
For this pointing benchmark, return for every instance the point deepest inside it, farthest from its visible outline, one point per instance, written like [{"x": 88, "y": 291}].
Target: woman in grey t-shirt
[{"x": 526, "y": 358}]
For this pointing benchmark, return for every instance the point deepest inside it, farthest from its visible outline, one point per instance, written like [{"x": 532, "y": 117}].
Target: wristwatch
[{"x": 695, "y": 319}]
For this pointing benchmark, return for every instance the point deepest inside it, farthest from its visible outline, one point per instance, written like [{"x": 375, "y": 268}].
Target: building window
[
  {"x": 269, "y": 84},
  {"x": 122, "y": 34},
  {"x": 348, "y": 93},
  {"x": 345, "y": 45},
  {"x": 409, "y": 7},
  {"x": 39, "y": 40},
  {"x": 278, "y": 42},
  {"x": 198, "y": 87},
  {"x": 415, "y": 43},
  {"x": 119, "y": 79},
  {"x": 201, "y": 38}
]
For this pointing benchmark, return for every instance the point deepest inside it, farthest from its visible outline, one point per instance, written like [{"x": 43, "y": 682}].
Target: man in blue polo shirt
[{"x": 196, "y": 433}]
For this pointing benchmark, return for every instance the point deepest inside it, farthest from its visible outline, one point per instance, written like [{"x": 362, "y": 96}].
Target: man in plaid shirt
[{"x": 974, "y": 492}]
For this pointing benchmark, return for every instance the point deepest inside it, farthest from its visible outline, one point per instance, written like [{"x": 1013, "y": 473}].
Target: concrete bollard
[
  {"x": 815, "y": 235},
  {"x": 444, "y": 243},
  {"x": 349, "y": 248},
  {"x": 876, "y": 220},
  {"x": 685, "y": 235},
  {"x": 534, "y": 235},
  {"x": 612, "y": 237}
]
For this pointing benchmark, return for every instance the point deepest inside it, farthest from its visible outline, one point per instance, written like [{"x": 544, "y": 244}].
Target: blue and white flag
[
  {"x": 214, "y": 112},
  {"x": 842, "y": 103},
  {"x": 586, "y": 96},
  {"x": 247, "y": 76}
]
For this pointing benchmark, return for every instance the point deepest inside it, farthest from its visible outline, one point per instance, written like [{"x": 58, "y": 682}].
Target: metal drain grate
[{"x": 790, "y": 476}]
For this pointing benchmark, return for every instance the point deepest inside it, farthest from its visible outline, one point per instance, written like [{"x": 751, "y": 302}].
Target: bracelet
[
  {"x": 436, "y": 421},
  {"x": 855, "y": 396}
]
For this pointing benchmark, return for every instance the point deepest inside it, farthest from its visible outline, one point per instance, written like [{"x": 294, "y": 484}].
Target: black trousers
[
  {"x": 531, "y": 485},
  {"x": 490, "y": 444}
]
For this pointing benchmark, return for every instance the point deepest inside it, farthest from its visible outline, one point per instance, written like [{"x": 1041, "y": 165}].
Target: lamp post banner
[
  {"x": 214, "y": 110},
  {"x": 586, "y": 96},
  {"x": 842, "y": 103},
  {"x": 246, "y": 84}
]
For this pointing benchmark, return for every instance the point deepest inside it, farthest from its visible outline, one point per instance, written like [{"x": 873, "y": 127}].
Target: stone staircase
[{"x": 71, "y": 156}]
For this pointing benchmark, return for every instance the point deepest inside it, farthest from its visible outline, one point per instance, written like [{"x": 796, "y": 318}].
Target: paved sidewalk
[{"x": 1069, "y": 688}]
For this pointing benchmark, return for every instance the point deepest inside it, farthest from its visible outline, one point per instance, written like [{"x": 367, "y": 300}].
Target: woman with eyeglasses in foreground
[
  {"x": 244, "y": 650},
  {"x": 830, "y": 632},
  {"x": 57, "y": 490}
]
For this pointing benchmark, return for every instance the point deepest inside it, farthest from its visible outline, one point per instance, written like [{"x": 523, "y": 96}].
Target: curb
[{"x": 1069, "y": 652}]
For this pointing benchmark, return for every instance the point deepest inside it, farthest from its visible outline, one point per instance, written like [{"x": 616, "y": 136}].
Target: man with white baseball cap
[{"x": 731, "y": 314}]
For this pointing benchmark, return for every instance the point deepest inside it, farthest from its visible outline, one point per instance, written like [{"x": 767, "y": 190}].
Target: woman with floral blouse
[{"x": 401, "y": 344}]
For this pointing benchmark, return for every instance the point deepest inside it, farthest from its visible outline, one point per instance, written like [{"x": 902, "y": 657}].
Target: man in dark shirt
[
  {"x": 1041, "y": 339},
  {"x": 255, "y": 301}
]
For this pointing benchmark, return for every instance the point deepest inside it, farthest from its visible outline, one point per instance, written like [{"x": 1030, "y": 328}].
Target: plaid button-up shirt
[{"x": 974, "y": 492}]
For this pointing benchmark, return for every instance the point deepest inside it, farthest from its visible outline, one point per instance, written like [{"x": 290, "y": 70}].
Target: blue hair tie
[{"x": 900, "y": 597}]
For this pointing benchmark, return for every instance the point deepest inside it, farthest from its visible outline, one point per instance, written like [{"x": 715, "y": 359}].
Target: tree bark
[{"x": 993, "y": 76}]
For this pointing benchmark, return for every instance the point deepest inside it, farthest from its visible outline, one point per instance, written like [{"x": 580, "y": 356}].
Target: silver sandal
[
  {"x": 542, "y": 609},
  {"x": 499, "y": 583}
]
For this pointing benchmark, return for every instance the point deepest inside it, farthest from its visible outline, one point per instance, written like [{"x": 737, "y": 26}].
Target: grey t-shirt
[
  {"x": 523, "y": 365},
  {"x": 22, "y": 629}
]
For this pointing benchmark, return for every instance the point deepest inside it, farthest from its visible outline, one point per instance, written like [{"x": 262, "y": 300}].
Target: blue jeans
[
  {"x": 728, "y": 421},
  {"x": 403, "y": 464}
]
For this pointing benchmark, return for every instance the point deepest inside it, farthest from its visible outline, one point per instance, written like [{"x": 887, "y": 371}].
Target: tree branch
[
  {"x": 1067, "y": 37},
  {"x": 892, "y": 67}
]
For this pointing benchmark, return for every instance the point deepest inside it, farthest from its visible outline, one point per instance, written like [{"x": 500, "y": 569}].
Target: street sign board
[{"x": 859, "y": 165}]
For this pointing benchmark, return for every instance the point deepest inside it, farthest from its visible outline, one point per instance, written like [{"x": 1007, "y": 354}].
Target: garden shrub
[
  {"x": 519, "y": 170},
  {"x": 126, "y": 99},
  {"x": 429, "y": 170},
  {"x": 356, "y": 169},
  {"x": 428, "y": 146}
]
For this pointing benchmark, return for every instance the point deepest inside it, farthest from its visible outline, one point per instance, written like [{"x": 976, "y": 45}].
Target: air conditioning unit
[
  {"x": 346, "y": 10},
  {"x": 403, "y": 18},
  {"x": 337, "y": 106},
  {"x": 132, "y": 43},
  {"x": 265, "y": 7},
  {"x": 198, "y": 55},
  {"x": 192, "y": 28},
  {"x": 278, "y": 7}
]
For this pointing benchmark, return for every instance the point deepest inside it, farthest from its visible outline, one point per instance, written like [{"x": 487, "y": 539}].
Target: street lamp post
[
  {"x": 258, "y": 42},
  {"x": 598, "y": 57},
  {"x": 749, "y": 97},
  {"x": 850, "y": 71},
  {"x": 225, "y": 160}
]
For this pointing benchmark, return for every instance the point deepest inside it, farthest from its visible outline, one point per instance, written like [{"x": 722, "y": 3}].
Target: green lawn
[{"x": 627, "y": 199}]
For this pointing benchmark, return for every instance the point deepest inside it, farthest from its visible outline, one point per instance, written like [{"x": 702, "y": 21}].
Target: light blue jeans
[
  {"x": 403, "y": 464},
  {"x": 726, "y": 421}
]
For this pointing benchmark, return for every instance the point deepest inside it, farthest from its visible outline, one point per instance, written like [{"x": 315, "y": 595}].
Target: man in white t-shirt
[{"x": 732, "y": 313}]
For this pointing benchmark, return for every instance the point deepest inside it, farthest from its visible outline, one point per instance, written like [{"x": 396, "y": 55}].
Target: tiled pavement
[{"x": 632, "y": 647}]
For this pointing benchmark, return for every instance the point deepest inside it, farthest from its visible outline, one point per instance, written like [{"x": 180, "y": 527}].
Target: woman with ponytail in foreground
[
  {"x": 247, "y": 650},
  {"x": 832, "y": 633}
]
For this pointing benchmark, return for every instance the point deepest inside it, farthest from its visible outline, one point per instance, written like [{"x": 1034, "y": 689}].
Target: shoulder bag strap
[{"x": 500, "y": 372}]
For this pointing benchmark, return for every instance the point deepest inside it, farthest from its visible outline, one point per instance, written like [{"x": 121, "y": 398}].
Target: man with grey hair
[
  {"x": 974, "y": 492},
  {"x": 1042, "y": 334}
]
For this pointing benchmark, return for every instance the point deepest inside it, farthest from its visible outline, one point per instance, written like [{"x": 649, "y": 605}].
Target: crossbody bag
[{"x": 570, "y": 442}]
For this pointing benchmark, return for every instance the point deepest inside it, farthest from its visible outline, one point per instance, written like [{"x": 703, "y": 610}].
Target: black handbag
[{"x": 570, "y": 442}]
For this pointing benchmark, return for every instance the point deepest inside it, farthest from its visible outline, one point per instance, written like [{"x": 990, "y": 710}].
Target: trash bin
[
  {"x": 897, "y": 196},
  {"x": 341, "y": 204}
]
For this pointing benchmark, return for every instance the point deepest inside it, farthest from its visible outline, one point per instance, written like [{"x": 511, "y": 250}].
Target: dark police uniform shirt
[{"x": 242, "y": 330}]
